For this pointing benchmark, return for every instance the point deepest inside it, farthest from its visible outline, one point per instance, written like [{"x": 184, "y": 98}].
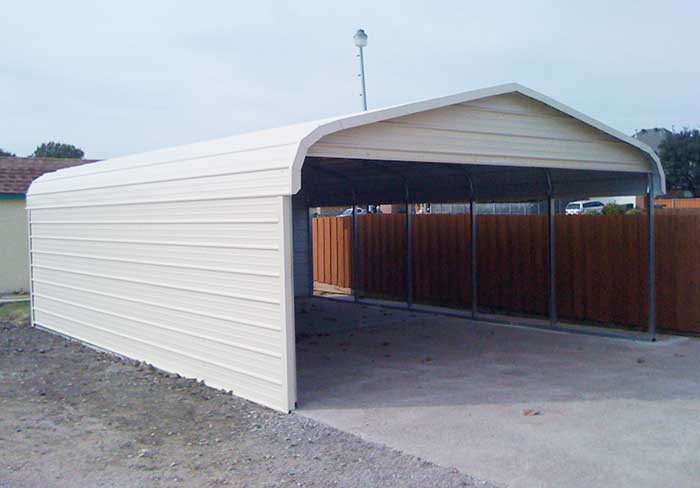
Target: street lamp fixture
[{"x": 360, "y": 38}]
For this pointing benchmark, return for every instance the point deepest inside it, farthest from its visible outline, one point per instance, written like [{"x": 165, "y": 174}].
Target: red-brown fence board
[
  {"x": 678, "y": 271},
  {"x": 382, "y": 255},
  {"x": 441, "y": 259},
  {"x": 601, "y": 263}
]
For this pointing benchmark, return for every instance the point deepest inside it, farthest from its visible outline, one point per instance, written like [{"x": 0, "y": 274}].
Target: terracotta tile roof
[{"x": 16, "y": 174}]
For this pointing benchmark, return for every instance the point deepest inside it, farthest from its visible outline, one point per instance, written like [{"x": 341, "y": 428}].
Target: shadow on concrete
[{"x": 361, "y": 356}]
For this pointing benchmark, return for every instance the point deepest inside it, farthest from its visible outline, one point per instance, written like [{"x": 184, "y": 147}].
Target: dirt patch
[{"x": 71, "y": 416}]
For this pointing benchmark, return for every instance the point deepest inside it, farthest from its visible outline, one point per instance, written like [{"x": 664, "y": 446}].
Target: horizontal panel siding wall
[
  {"x": 215, "y": 187},
  {"x": 184, "y": 274},
  {"x": 601, "y": 264}
]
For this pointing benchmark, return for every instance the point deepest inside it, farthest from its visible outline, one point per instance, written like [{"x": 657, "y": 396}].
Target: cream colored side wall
[
  {"x": 196, "y": 285},
  {"x": 510, "y": 129},
  {"x": 14, "y": 256}
]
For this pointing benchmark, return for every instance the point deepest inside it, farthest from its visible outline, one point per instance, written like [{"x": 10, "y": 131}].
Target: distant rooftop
[
  {"x": 16, "y": 174},
  {"x": 652, "y": 137}
]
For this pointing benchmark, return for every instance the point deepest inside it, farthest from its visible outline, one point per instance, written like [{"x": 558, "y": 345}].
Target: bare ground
[{"x": 71, "y": 416}]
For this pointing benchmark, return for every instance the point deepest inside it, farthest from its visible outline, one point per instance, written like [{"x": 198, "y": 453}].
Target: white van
[{"x": 584, "y": 206}]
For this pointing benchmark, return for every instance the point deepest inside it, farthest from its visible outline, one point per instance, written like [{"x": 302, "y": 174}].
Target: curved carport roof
[
  {"x": 584, "y": 156},
  {"x": 506, "y": 143}
]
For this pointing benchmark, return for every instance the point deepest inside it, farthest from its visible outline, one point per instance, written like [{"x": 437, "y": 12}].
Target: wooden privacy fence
[
  {"x": 601, "y": 264},
  {"x": 672, "y": 203}
]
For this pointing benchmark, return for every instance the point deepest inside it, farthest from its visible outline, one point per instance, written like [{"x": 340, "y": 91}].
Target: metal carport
[{"x": 189, "y": 258}]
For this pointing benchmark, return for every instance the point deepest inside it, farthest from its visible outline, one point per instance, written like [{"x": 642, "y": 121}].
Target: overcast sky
[{"x": 125, "y": 76}]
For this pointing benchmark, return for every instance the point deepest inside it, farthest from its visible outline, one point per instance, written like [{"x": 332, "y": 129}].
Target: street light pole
[{"x": 361, "y": 41}]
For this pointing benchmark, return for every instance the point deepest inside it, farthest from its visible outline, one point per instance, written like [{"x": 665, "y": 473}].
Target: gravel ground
[{"x": 71, "y": 416}]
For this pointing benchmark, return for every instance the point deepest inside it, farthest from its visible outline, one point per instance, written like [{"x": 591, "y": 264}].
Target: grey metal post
[
  {"x": 310, "y": 251},
  {"x": 355, "y": 252},
  {"x": 309, "y": 242},
  {"x": 651, "y": 260},
  {"x": 362, "y": 74},
  {"x": 552, "y": 260},
  {"x": 473, "y": 255},
  {"x": 473, "y": 246},
  {"x": 409, "y": 252}
]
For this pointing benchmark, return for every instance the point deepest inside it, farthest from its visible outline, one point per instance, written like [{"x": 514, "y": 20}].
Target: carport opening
[
  {"x": 406, "y": 264},
  {"x": 396, "y": 271},
  {"x": 370, "y": 255}
]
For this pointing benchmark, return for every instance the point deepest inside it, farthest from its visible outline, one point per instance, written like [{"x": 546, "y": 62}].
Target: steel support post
[
  {"x": 310, "y": 250},
  {"x": 355, "y": 252},
  {"x": 552, "y": 245},
  {"x": 473, "y": 256},
  {"x": 409, "y": 252},
  {"x": 651, "y": 249}
]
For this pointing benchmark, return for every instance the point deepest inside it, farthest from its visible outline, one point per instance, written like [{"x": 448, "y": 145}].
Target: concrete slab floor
[{"x": 518, "y": 407}]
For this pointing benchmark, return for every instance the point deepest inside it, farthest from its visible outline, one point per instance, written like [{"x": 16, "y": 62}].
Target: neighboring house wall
[
  {"x": 517, "y": 208},
  {"x": 629, "y": 200},
  {"x": 329, "y": 211},
  {"x": 16, "y": 174},
  {"x": 491, "y": 208},
  {"x": 14, "y": 243}
]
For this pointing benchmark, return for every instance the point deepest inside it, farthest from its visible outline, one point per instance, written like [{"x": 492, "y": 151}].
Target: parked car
[
  {"x": 372, "y": 209},
  {"x": 348, "y": 212},
  {"x": 584, "y": 206}
]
